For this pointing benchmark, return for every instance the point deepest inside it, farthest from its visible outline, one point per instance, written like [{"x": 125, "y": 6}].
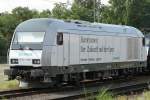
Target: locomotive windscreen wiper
[{"x": 20, "y": 46}]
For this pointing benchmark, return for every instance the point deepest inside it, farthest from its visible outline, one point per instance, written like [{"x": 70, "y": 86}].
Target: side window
[
  {"x": 59, "y": 38},
  {"x": 143, "y": 41}
]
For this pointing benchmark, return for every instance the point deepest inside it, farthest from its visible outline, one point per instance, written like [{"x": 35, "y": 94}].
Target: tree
[
  {"x": 107, "y": 15},
  {"x": 45, "y": 13},
  {"x": 85, "y": 10},
  {"x": 145, "y": 22},
  {"x": 80, "y": 12},
  {"x": 135, "y": 11},
  {"x": 23, "y": 14},
  {"x": 127, "y": 12},
  {"x": 60, "y": 11},
  {"x": 8, "y": 23}
]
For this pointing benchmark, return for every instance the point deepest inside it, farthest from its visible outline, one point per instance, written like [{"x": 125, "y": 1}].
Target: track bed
[{"x": 70, "y": 92}]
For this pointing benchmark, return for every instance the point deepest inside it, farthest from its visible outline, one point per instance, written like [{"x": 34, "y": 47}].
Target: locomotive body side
[{"x": 93, "y": 51}]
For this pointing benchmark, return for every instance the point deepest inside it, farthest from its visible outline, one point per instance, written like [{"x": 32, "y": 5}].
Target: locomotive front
[{"x": 26, "y": 49}]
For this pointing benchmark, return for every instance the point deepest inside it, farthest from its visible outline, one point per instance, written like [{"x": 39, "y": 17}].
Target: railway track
[
  {"x": 19, "y": 93},
  {"x": 30, "y": 92},
  {"x": 70, "y": 93}
]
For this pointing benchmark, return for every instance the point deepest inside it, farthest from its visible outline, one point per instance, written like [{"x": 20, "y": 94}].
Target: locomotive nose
[{"x": 25, "y": 58}]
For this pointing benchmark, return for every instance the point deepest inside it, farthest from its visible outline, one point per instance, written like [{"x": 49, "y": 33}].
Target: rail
[{"x": 69, "y": 92}]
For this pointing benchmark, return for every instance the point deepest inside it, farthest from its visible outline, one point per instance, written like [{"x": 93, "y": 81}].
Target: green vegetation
[
  {"x": 144, "y": 96},
  {"x": 104, "y": 95},
  {"x": 7, "y": 85}
]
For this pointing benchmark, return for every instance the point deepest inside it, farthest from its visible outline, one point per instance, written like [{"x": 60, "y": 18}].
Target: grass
[
  {"x": 2, "y": 68},
  {"x": 143, "y": 96},
  {"x": 147, "y": 95},
  {"x": 104, "y": 95},
  {"x": 7, "y": 85}
]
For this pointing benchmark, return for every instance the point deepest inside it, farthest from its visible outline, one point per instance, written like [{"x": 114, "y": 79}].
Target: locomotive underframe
[{"x": 75, "y": 73}]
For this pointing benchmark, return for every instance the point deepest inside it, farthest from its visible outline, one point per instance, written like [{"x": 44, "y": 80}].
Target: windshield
[
  {"x": 31, "y": 37},
  {"x": 28, "y": 40}
]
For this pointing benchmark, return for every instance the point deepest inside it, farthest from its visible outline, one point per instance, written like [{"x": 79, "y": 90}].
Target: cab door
[
  {"x": 63, "y": 49},
  {"x": 66, "y": 39},
  {"x": 60, "y": 49}
]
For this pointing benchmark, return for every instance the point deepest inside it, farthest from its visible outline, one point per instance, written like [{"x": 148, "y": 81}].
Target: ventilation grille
[{"x": 133, "y": 48}]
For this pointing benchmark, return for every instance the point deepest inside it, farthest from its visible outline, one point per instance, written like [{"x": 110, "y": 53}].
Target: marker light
[
  {"x": 14, "y": 61},
  {"x": 36, "y": 61}
]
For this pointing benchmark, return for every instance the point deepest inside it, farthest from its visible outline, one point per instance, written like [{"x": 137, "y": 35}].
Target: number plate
[{"x": 25, "y": 61}]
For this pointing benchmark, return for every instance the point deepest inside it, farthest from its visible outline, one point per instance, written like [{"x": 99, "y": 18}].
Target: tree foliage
[
  {"x": 60, "y": 11},
  {"x": 135, "y": 9},
  {"x": 82, "y": 10}
]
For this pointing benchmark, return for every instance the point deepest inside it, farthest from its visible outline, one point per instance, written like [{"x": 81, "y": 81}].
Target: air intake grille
[{"x": 133, "y": 48}]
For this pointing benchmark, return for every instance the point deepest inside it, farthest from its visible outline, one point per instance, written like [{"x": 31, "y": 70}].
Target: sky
[{"x": 8, "y": 5}]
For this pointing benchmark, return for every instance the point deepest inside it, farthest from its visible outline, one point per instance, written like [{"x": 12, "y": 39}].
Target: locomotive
[{"x": 46, "y": 50}]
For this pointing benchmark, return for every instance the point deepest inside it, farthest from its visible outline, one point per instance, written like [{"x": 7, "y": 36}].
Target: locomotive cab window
[{"x": 59, "y": 38}]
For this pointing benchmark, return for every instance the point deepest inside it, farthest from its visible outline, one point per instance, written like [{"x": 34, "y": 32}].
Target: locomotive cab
[
  {"x": 26, "y": 49},
  {"x": 25, "y": 54}
]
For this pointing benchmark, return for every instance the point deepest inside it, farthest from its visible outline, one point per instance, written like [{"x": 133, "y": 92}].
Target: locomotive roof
[{"x": 77, "y": 27}]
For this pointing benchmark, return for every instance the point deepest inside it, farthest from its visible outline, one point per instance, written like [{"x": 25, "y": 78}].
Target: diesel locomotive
[{"x": 54, "y": 51}]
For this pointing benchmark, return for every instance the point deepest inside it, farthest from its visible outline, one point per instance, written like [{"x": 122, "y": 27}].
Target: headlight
[
  {"x": 36, "y": 61},
  {"x": 14, "y": 61}
]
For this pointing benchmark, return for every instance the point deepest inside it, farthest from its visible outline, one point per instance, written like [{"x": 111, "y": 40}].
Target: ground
[
  {"x": 4, "y": 83},
  {"x": 2, "y": 67}
]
